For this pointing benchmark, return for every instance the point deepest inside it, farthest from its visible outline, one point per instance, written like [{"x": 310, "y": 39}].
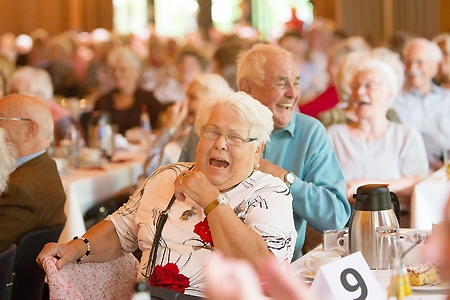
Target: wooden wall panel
[{"x": 22, "y": 16}]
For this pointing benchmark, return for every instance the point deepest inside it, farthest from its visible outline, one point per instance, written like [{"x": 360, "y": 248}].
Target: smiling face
[
  {"x": 370, "y": 96},
  {"x": 223, "y": 164},
  {"x": 420, "y": 68},
  {"x": 280, "y": 90}
]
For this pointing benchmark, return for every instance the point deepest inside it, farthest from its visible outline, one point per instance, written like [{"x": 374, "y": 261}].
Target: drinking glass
[
  {"x": 447, "y": 162},
  {"x": 387, "y": 247}
]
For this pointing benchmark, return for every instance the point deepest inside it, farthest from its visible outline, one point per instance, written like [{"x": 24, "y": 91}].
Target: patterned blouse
[{"x": 261, "y": 201}]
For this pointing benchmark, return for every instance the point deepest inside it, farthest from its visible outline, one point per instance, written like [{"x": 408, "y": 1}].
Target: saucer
[{"x": 308, "y": 274}]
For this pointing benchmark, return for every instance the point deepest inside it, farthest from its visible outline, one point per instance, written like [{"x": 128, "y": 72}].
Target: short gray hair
[
  {"x": 250, "y": 111},
  {"x": 126, "y": 54},
  {"x": 431, "y": 48},
  {"x": 33, "y": 82},
  {"x": 251, "y": 63},
  {"x": 8, "y": 160},
  {"x": 362, "y": 61}
]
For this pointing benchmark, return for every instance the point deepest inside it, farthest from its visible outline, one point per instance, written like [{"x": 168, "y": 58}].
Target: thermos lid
[{"x": 372, "y": 197}]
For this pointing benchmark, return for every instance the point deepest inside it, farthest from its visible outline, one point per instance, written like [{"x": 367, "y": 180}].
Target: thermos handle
[{"x": 396, "y": 203}]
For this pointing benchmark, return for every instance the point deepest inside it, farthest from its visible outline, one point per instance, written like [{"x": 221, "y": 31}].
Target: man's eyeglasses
[
  {"x": 213, "y": 133},
  {"x": 15, "y": 119}
]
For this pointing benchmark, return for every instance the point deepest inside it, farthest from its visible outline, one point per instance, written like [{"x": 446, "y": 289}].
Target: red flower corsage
[{"x": 169, "y": 277}]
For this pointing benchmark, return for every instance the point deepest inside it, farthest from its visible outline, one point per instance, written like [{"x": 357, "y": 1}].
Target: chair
[
  {"x": 29, "y": 278},
  {"x": 6, "y": 269}
]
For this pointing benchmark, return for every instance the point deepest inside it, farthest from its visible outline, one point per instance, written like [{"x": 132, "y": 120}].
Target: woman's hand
[
  {"x": 64, "y": 252},
  {"x": 196, "y": 186}
]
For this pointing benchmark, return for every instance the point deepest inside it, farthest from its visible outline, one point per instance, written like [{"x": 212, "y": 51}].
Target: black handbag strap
[{"x": 162, "y": 218}]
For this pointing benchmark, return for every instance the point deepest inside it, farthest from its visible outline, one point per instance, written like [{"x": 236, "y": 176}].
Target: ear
[
  {"x": 244, "y": 86},
  {"x": 32, "y": 129},
  {"x": 258, "y": 152}
]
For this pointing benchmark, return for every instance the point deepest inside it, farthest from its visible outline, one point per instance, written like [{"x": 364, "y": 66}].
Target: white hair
[
  {"x": 431, "y": 48},
  {"x": 8, "y": 159},
  {"x": 33, "y": 82},
  {"x": 250, "y": 111}
]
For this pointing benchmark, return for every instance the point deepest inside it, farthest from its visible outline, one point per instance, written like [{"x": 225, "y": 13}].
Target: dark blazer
[{"x": 34, "y": 199}]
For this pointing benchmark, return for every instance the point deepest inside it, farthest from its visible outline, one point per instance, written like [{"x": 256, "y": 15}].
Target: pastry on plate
[{"x": 421, "y": 274}]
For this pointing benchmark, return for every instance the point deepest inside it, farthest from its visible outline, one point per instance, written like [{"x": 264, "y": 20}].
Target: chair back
[
  {"x": 6, "y": 269},
  {"x": 29, "y": 278}
]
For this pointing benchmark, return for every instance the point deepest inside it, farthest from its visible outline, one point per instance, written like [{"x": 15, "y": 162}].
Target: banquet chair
[
  {"x": 6, "y": 269},
  {"x": 29, "y": 278}
]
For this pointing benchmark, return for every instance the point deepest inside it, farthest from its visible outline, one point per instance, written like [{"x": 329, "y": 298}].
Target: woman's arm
[{"x": 104, "y": 246}]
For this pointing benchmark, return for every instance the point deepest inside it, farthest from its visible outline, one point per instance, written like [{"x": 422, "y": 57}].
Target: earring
[{"x": 256, "y": 166}]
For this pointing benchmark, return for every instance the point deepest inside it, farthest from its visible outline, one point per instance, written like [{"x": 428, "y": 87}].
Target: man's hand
[{"x": 270, "y": 168}]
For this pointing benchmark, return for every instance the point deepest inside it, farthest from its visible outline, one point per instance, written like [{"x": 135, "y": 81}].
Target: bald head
[{"x": 33, "y": 130}]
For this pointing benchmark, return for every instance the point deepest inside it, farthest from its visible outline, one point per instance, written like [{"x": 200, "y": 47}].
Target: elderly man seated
[
  {"x": 7, "y": 160},
  {"x": 34, "y": 198}
]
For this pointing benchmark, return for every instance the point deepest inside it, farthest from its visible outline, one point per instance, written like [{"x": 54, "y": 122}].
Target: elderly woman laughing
[{"x": 183, "y": 212}]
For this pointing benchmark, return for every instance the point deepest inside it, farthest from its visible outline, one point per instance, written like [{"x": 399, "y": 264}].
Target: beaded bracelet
[{"x": 88, "y": 251}]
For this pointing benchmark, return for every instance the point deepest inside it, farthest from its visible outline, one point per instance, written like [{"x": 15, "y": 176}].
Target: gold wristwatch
[{"x": 221, "y": 199}]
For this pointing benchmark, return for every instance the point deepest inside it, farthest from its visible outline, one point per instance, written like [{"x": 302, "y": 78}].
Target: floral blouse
[{"x": 261, "y": 201}]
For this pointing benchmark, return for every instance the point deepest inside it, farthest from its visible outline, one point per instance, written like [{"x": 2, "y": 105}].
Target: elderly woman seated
[
  {"x": 220, "y": 202},
  {"x": 373, "y": 149}
]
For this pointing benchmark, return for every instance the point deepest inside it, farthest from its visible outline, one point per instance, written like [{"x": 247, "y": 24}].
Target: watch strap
[{"x": 211, "y": 206}]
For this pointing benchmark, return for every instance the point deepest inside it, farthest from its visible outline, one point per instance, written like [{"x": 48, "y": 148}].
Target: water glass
[{"x": 387, "y": 246}]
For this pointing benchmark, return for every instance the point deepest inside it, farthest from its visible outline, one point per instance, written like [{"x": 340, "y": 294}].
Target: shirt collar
[
  {"x": 29, "y": 157},
  {"x": 290, "y": 127}
]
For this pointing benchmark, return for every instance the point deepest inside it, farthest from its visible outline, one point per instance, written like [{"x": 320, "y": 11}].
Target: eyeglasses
[
  {"x": 211, "y": 132},
  {"x": 15, "y": 119},
  {"x": 371, "y": 85}
]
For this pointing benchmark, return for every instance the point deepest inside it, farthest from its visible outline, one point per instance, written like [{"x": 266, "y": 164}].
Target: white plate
[
  {"x": 432, "y": 287},
  {"x": 308, "y": 274}
]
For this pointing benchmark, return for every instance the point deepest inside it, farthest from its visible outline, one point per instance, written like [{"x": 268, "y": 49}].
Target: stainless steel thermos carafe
[{"x": 373, "y": 208}]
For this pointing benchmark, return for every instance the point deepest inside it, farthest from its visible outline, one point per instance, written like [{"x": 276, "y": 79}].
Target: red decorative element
[
  {"x": 169, "y": 277},
  {"x": 202, "y": 229}
]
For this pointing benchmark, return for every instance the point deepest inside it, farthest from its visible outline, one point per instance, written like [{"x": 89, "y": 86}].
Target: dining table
[
  {"x": 429, "y": 199},
  {"x": 383, "y": 277},
  {"x": 88, "y": 185}
]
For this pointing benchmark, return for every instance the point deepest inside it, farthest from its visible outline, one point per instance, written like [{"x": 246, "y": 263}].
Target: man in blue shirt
[{"x": 299, "y": 151}]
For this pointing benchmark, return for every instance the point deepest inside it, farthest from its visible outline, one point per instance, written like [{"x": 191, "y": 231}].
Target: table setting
[{"x": 372, "y": 259}]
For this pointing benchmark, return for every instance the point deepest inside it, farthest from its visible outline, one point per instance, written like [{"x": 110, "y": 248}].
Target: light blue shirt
[
  {"x": 27, "y": 158},
  {"x": 319, "y": 188},
  {"x": 430, "y": 114}
]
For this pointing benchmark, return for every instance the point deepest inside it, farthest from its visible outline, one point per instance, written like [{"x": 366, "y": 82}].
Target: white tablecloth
[
  {"x": 429, "y": 199},
  {"x": 86, "y": 187},
  {"x": 383, "y": 278}
]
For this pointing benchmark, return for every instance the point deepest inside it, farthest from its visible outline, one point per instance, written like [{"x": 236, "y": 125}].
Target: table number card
[{"x": 347, "y": 278}]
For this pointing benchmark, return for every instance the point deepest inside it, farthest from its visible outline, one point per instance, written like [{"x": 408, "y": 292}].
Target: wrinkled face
[
  {"x": 439, "y": 248},
  {"x": 370, "y": 95},
  {"x": 124, "y": 75},
  {"x": 223, "y": 164},
  {"x": 419, "y": 67},
  {"x": 280, "y": 90}
]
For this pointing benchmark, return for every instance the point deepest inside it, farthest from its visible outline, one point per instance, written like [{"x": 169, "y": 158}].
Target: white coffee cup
[
  {"x": 319, "y": 259},
  {"x": 342, "y": 242},
  {"x": 90, "y": 155}
]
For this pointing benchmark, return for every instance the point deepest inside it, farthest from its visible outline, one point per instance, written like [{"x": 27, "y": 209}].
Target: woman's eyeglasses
[{"x": 213, "y": 133}]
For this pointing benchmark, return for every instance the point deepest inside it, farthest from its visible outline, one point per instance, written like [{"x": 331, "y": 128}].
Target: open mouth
[
  {"x": 218, "y": 164},
  {"x": 285, "y": 105},
  {"x": 362, "y": 103}
]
